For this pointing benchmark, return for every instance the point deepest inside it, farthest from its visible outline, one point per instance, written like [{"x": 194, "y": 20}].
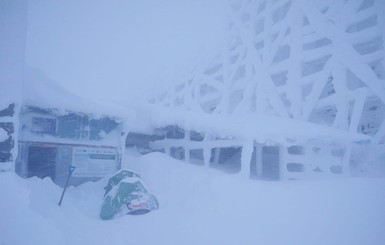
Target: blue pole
[{"x": 70, "y": 171}]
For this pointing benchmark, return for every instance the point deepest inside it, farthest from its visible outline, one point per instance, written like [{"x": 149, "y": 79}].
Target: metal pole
[{"x": 70, "y": 171}]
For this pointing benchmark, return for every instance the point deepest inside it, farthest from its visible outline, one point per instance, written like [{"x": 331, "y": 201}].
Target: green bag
[{"x": 126, "y": 194}]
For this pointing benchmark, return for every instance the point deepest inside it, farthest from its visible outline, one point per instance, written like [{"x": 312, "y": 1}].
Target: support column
[
  {"x": 206, "y": 156},
  {"x": 186, "y": 149},
  {"x": 258, "y": 159},
  {"x": 282, "y": 163},
  {"x": 246, "y": 155}
]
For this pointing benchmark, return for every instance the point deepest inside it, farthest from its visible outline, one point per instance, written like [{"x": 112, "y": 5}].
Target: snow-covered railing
[{"x": 258, "y": 147}]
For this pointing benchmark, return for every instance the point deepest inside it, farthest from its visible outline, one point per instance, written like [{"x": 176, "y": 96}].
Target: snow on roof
[
  {"x": 261, "y": 128},
  {"x": 39, "y": 91}
]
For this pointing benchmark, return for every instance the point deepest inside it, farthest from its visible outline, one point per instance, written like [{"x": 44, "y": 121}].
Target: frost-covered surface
[
  {"x": 297, "y": 63},
  {"x": 197, "y": 207},
  {"x": 262, "y": 128},
  {"x": 312, "y": 61},
  {"x": 368, "y": 161},
  {"x": 3, "y": 135},
  {"x": 291, "y": 72}
]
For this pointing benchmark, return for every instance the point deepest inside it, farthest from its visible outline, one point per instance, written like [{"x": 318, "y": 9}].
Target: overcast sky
[{"x": 119, "y": 47}]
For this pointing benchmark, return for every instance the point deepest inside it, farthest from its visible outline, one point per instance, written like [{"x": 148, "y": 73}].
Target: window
[{"x": 43, "y": 125}]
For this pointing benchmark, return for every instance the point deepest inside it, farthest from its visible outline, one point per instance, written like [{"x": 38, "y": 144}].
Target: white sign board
[{"x": 94, "y": 162}]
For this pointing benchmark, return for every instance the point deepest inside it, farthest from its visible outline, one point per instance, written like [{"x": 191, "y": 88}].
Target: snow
[
  {"x": 3, "y": 135},
  {"x": 260, "y": 127},
  {"x": 196, "y": 207},
  {"x": 279, "y": 60},
  {"x": 107, "y": 53}
]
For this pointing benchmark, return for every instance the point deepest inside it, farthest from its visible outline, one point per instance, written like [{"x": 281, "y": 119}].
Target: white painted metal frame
[{"x": 319, "y": 61}]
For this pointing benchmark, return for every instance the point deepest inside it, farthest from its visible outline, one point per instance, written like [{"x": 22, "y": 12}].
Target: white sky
[{"x": 119, "y": 47}]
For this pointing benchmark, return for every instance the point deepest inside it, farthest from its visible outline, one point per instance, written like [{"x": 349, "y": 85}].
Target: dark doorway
[
  {"x": 41, "y": 161},
  {"x": 270, "y": 162},
  {"x": 227, "y": 159}
]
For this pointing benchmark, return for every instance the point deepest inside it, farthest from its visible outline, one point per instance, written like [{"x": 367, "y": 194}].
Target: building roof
[{"x": 39, "y": 91}]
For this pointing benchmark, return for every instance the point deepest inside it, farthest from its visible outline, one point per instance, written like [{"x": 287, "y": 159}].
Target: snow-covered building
[
  {"x": 48, "y": 129},
  {"x": 50, "y": 141},
  {"x": 43, "y": 128},
  {"x": 57, "y": 129},
  {"x": 299, "y": 81}
]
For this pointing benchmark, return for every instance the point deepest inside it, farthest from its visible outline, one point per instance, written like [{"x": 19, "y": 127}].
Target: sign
[{"x": 94, "y": 162}]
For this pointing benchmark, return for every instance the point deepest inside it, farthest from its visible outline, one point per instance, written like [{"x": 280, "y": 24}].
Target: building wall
[{"x": 50, "y": 142}]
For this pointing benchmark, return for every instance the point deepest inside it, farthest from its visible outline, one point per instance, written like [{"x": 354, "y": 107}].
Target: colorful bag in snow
[{"x": 126, "y": 194}]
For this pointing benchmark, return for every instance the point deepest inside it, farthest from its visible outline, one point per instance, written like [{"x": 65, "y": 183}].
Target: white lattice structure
[{"x": 318, "y": 61}]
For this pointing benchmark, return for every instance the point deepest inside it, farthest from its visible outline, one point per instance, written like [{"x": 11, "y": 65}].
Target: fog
[
  {"x": 117, "y": 49},
  {"x": 278, "y": 139}
]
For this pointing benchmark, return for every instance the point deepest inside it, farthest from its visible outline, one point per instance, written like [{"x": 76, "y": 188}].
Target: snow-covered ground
[{"x": 197, "y": 206}]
